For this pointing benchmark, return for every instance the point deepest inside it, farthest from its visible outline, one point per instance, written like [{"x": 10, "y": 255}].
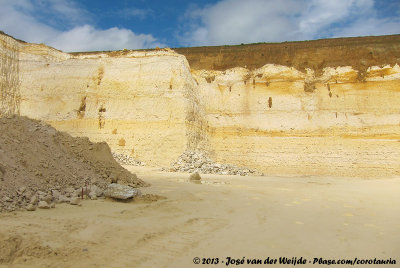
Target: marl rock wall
[
  {"x": 140, "y": 103},
  {"x": 323, "y": 107},
  {"x": 9, "y": 75},
  {"x": 265, "y": 119},
  {"x": 303, "y": 113}
]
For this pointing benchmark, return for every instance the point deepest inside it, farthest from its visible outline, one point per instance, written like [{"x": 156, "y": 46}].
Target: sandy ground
[{"x": 225, "y": 216}]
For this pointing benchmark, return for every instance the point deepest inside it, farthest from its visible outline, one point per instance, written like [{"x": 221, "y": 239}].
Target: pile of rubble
[
  {"x": 40, "y": 166},
  {"x": 50, "y": 198},
  {"x": 72, "y": 195},
  {"x": 197, "y": 161},
  {"x": 127, "y": 160}
]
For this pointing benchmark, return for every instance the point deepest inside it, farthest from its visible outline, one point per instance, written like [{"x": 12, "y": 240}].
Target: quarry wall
[
  {"x": 303, "y": 113},
  {"x": 139, "y": 103},
  {"x": 9, "y": 75},
  {"x": 271, "y": 120}
]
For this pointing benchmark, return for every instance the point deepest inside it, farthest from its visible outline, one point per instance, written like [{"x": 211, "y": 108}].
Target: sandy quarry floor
[{"x": 252, "y": 217}]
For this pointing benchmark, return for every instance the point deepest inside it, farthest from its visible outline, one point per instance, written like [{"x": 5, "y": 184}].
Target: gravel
[{"x": 197, "y": 161}]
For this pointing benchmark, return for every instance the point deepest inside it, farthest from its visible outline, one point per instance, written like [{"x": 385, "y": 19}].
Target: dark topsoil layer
[
  {"x": 35, "y": 157},
  {"x": 358, "y": 52}
]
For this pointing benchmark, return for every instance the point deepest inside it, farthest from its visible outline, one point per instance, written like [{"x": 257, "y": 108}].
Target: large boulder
[
  {"x": 31, "y": 207},
  {"x": 43, "y": 205},
  {"x": 195, "y": 177},
  {"x": 75, "y": 201},
  {"x": 121, "y": 192}
]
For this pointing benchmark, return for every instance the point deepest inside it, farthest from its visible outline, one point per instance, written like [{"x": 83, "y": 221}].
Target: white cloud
[
  {"x": 36, "y": 21},
  {"x": 66, "y": 8},
  {"x": 87, "y": 38},
  {"x": 233, "y": 22},
  {"x": 237, "y": 21}
]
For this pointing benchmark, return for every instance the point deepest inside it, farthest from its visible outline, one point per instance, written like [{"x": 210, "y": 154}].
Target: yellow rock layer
[
  {"x": 277, "y": 119},
  {"x": 268, "y": 119},
  {"x": 135, "y": 103}
]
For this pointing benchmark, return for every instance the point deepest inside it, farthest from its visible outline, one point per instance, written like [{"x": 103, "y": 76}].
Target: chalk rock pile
[
  {"x": 39, "y": 163},
  {"x": 127, "y": 160},
  {"x": 72, "y": 196},
  {"x": 196, "y": 161},
  {"x": 46, "y": 200}
]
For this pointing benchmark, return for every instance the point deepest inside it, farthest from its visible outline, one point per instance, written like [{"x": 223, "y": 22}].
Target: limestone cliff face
[
  {"x": 284, "y": 121},
  {"x": 324, "y": 107},
  {"x": 311, "y": 116},
  {"x": 137, "y": 102},
  {"x": 9, "y": 75}
]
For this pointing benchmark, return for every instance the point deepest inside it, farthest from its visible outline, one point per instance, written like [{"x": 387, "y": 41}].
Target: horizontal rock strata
[{"x": 327, "y": 107}]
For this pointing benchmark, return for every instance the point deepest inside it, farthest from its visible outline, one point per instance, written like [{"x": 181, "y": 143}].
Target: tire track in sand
[{"x": 161, "y": 248}]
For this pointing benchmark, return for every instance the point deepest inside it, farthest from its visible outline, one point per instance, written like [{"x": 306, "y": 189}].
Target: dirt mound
[{"x": 34, "y": 157}]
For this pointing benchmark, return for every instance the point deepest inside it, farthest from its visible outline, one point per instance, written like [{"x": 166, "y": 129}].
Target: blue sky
[{"x": 111, "y": 25}]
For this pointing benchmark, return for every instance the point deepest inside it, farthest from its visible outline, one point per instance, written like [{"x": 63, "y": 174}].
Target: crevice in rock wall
[
  {"x": 9, "y": 77},
  {"x": 100, "y": 75},
  {"x": 82, "y": 108},
  {"x": 196, "y": 123},
  {"x": 102, "y": 120}
]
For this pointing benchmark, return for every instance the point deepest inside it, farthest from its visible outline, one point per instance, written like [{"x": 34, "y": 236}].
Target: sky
[{"x": 97, "y": 25}]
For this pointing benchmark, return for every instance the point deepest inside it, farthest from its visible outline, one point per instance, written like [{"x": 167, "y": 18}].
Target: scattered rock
[
  {"x": 6, "y": 199},
  {"x": 21, "y": 190},
  {"x": 114, "y": 177},
  {"x": 63, "y": 199},
  {"x": 31, "y": 207},
  {"x": 43, "y": 205},
  {"x": 40, "y": 193},
  {"x": 69, "y": 191},
  {"x": 75, "y": 201},
  {"x": 56, "y": 194},
  {"x": 76, "y": 193},
  {"x": 94, "y": 190},
  {"x": 48, "y": 198},
  {"x": 121, "y": 192},
  {"x": 34, "y": 200},
  {"x": 27, "y": 195}
]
